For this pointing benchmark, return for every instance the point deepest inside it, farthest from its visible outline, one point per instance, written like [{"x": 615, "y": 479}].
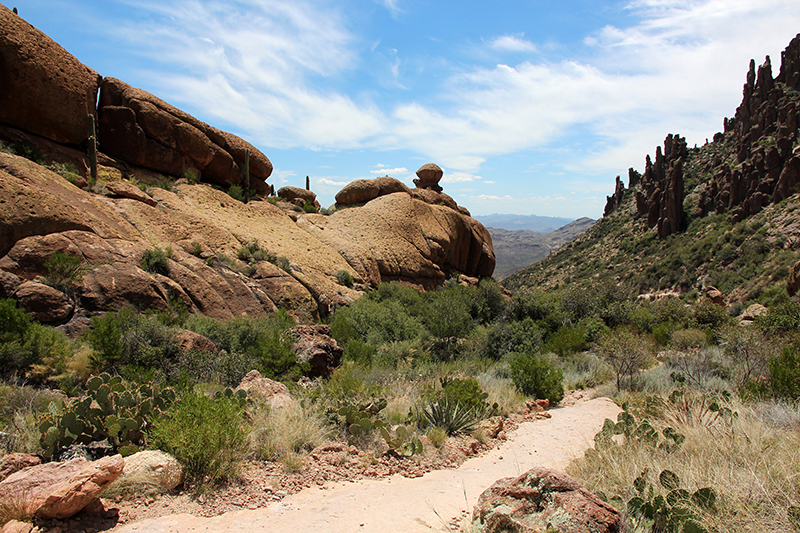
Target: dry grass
[
  {"x": 751, "y": 461},
  {"x": 12, "y": 507},
  {"x": 280, "y": 432}
]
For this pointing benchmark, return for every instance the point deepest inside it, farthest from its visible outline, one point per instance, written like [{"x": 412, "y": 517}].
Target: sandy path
[{"x": 422, "y": 504}]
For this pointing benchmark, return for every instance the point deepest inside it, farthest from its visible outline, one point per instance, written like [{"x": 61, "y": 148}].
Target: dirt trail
[{"x": 438, "y": 501}]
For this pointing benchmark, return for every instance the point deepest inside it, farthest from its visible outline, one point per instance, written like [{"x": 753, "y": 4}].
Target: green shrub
[
  {"x": 359, "y": 352},
  {"x": 64, "y": 272},
  {"x": 265, "y": 340},
  {"x": 567, "y": 340},
  {"x": 344, "y": 278},
  {"x": 784, "y": 318},
  {"x": 627, "y": 352},
  {"x": 523, "y": 336},
  {"x": 662, "y": 333},
  {"x": 155, "y": 261},
  {"x": 309, "y": 207},
  {"x": 66, "y": 171},
  {"x": 197, "y": 249},
  {"x": 207, "y": 436},
  {"x": 785, "y": 373},
  {"x": 707, "y": 314},
  {"x": 236, "y": 192},
  {"x": 536, "y": 376}
]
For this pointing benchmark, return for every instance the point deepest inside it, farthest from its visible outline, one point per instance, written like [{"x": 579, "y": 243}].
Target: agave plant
[{"x": 452, "y": 417}]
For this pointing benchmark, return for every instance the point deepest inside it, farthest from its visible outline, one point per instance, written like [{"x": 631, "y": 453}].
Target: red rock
[
  {"x": 15, "y": 526},
  {"x": 43, "y": 89},
  {"x": 291, "y": 194},
  {"x": 14, "y": 462},
  {"x": 534, "y": 501},
  {"x": 715, "y": 295},
  {"x": 191, "y": 341},
  {"x": 793, "y": 283},
  {"x": 60, "y": 490},
  {"x": 45, "y": 303}
]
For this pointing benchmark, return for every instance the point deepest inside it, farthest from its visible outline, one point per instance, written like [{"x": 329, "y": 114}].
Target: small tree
[{"x": 627, "y": 352}]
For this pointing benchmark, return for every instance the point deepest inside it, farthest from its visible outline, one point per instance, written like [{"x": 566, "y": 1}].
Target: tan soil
[{"x": 340, "y": 491}]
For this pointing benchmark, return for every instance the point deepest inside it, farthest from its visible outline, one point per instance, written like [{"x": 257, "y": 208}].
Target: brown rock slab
[
  {"x": 291, "y": 194},
  {"x": 540, "y": 500},
  {"x": 190, "y": 341},
  {"x": 793, "y": 283},
  {"x": 15, "y": 526},
  {"x": 715, "y": 295},
  {"x": 43, "y": 89},
  {"x": 754, "y": 311},
  {"x": 60, "y": 490},
  {"x": 45, "y": 303}
]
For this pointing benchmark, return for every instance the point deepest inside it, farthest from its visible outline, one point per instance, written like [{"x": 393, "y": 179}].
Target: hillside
[
  {"x": 518, "y": 249},
  {"x": 723, "y": 214}
]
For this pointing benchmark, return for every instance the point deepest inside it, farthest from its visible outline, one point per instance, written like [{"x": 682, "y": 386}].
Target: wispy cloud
[
  {"x": 385, "y": 171},
  {"x": 326, "y": 181},
  {"x": 269, "y": 69},
  {"x": 512, "y": 43}
]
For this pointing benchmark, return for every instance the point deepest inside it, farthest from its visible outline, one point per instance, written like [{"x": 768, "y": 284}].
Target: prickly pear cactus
[{"x": 112, "y": 410}]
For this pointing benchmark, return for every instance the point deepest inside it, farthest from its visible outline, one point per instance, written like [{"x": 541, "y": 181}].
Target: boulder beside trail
[
  {"x": 315, "y": 346},
  {"x": 540, "y": 500},
  {"x": 59, "y": 490},
  {"x": 266, "y": 390}
]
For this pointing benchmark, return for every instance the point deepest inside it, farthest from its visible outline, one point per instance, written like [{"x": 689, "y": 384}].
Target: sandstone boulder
[
  {"x": 292, "y": 194},
  {"x": 60, "y": 490},
  {"x": 190, "y": 341},
  {"x": 45, "y": 303},
  {"x": 539, "y": 500},
  {"x": 428, "y": 177},
  {"x": 15, "y": 526},
  {"x": 430, "y": 196},
  {"x": 14, "y": 462},
  {"x": 266, "y": 390},
  {"x": 362, "y": 191},
  {"x": 151, "y": 468},
  {"x": 315, "y": 346},
  {"x": 43, "y": 89}
]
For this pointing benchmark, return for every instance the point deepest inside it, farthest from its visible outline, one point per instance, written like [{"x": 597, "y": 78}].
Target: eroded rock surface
[{"x": 542, "y": 500}]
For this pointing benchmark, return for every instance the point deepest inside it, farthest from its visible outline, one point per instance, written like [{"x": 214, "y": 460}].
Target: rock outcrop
[
  {"x": 543, "y": 499},
  {"x": 420, "y": 236},
  {"x": 756, "y": 161},
  {"x": 298, "y": 196},
  {"x": 428, "y": 177},
  {"x": 362, "y": 191},
  {"x": 141, "y": 129},
  {"x": 43, "y": 89},
  {"x": 151, "y": 469},
  {"x": 793, "y": 283},
  {"x": 59, "y": 490}
]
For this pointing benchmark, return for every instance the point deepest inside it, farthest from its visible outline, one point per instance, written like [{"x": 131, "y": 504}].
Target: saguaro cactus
[
  {"x": 92, "y": 151},
  {"x": 246, "y": 175}
]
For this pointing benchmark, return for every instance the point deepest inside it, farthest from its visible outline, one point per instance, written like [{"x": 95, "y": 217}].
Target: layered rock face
[
  {"x": 757, "y": 160},
  {"x": 420, "y": 236}
]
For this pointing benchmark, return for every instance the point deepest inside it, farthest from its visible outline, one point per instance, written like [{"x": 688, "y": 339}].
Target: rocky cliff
[
  {"x": 221, "y": 256},
  {"x": 754, "y": 162}
]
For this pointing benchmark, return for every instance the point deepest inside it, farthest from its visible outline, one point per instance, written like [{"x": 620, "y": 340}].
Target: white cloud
[
  {"x": 489, "y": 182},
  {"x": 389, "y": 171},
  {"x": 263, "y": 66},
  {"x": 512, "y": 43},
  {"x": 326, "y": 181},
  {"x": 457, "y": 177}
]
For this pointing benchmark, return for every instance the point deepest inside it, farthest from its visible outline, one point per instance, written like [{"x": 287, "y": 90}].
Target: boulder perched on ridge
[{"x": 362, "y": 191}]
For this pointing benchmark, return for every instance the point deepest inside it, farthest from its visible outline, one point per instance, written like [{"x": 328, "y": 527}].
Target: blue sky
[{"x": 530, "y": 106}]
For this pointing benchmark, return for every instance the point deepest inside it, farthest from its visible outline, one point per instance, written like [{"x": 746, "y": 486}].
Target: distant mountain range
[
  {"x": 515, "y": 250},
  {"x": 533, "y": 223}
]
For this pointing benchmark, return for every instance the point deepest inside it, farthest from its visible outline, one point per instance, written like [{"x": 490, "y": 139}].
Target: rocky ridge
[
  {"x": 723, "y": 214},
  {"x": 390, "y": 232}
]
